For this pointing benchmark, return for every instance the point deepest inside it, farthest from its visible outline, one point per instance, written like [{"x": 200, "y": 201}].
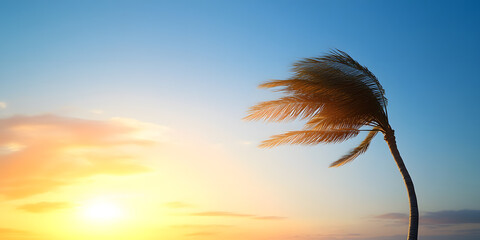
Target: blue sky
[{"x": 194, "y": 66}]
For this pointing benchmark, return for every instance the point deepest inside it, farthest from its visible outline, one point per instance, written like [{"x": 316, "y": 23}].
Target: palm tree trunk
[{"x": 413, "y": 226}]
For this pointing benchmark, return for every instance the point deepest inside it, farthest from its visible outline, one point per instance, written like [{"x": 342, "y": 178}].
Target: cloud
[
  {"x": 3, "y": 105},
  {"x": 395, "y": 217},
  {"x": 390, "y": 237},
  {"x": 201, "y": 229},
  {"x": 220, "y": 214},
  {"x": 200, "y": 226},
  {"x": 12, "y": 231},
  {"x": 17, "y": 234},
  {"x": 470, "y": 232},
  {"x": 448, "y": 217},
  {"x": 451, "y": 217},
  {"x": 178, "y": 204},
  {"x": 41, "y": 207},
  {"x": 340, "y": 236},
  {"x": 269, "y": 218},
  {"x": 39, "y": 154},
  {"x": 235, "y": 215},
  {"x": 198, "y": 234},
  {"x": 458, "y": 225}
]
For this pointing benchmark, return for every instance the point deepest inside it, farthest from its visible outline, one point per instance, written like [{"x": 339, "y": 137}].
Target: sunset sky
[{"x": 123, "y": 120}]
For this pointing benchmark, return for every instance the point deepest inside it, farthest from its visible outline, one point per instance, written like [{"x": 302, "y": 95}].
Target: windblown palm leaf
[
  {"x": 362, "y": 148},
  {"x": 310, "y": 137},
  {"x": 286, "y": 108},
  {"x": 335, "y": 94}
]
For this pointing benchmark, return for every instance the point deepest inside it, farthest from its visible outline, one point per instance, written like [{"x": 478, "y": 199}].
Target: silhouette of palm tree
[{"x": 337, "y": 96}]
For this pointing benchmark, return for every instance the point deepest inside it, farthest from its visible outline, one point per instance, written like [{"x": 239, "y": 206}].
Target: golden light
[{"x": 102, "y": 211}]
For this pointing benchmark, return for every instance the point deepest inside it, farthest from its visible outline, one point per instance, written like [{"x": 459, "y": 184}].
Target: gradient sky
[{"x": 138, "y": 105}]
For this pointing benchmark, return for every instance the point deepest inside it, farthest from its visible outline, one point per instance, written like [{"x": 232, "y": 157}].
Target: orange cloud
[
  {"x": 43, "y": 153},
  {"x": 17, "y": 234},
  {"x": 12, "y": 231},
  {"x": 41, "y": 207}
]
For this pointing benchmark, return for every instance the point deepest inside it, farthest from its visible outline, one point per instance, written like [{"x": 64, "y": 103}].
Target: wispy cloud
[
  {"x": 41, "y": 207},
  {"x": 234, "y": 215},
  {"x": 3, "y": 105},
  {"x": 448, "y": 217},
  {"x": 333, "y": 236},
  {"x": 12, "y": 233},
  {"x": 475, "y": 231},
  {"x": 220, "y": 214},
  {"x": 451, "y": 217},
  {"x": 459, "y": 236},
  {"x": 401, "y": 218},
  {"x": 269, "y": 218},
  {"x": 198, "y": 234},
  {"x": 178, "y": 204},
  {"x": 56, "y": 151},
  {"x": 200, "y": 226},
  {"x": 201, "y": 230}
]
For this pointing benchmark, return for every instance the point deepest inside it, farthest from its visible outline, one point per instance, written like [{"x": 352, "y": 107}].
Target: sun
[{"x": 102, "y": 211}]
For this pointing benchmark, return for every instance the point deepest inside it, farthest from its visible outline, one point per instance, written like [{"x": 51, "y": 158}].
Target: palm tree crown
[{"x": 335, "y": 94}]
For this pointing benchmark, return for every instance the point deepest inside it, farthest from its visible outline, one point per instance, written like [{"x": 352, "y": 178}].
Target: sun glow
[{"x": 102, "y": 211}]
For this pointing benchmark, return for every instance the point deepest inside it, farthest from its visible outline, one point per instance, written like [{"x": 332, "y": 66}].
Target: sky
[{"x": 123, "y": 120}]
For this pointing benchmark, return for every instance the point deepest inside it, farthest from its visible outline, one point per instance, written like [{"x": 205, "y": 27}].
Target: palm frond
[
  {"x": 335, "y": 94},
  {"x": 337, "y": 63},
  {"x": 339, "y": 103},
  {"x": 326, "y": 123},
  {"x": 285, "y": 109},
  {"x": 301, "y": 87},
  {"x": 354, "y": 153},
  {"x": 343, "y": 58},
  {"x": 358, "y": 90},
  {"x": 309, "y": 137}
]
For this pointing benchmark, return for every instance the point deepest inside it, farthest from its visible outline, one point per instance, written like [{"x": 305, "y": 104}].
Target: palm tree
[{"x": 337, "y": 97}]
